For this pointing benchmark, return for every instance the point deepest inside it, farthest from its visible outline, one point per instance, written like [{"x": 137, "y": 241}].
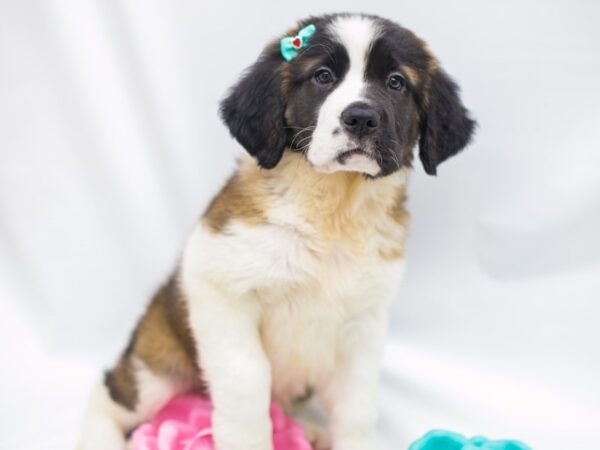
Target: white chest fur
[
  {"x": 315, "y": 267},
  {"x": 309, "y": 299}
]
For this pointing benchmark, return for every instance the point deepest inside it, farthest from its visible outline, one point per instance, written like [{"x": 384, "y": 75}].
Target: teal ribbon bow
[
  {"x": 289, "y": 46},
  {"x": 447, "y": 440}
]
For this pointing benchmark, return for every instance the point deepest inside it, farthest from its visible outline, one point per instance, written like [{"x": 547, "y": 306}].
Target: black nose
[{"x": 360, "y": 119}]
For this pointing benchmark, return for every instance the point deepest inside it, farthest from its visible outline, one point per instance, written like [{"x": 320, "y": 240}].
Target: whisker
[
  {"x": 303, "y": 130},
  {"x": 304, "y": 147},
  {"x": 300, "y": 128},
  {"x": 304, "y": 139},
  {"x": 394, "y": 157},
  {"x": 298, "y": 134}
]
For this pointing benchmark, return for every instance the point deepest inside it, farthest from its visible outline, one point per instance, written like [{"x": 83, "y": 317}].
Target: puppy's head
[{"x": 357, "y": 97}]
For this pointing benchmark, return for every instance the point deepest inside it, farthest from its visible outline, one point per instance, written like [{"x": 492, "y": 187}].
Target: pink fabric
[{"x": 184, "y": 424}]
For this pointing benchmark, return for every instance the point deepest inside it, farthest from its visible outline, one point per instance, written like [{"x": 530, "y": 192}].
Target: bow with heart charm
[{"x": 290, "y": 45}]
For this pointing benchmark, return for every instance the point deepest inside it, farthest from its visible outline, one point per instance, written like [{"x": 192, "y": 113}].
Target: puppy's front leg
[
  {"x": 351, "y": 395},
  {"x": 234, "y": 365}
]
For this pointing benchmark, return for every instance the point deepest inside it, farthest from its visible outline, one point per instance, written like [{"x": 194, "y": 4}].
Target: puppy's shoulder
[{"x": 243, "y": 198}]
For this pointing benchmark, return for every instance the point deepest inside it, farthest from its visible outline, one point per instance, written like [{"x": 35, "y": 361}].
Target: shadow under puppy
[{"x": 284, "y": 285}]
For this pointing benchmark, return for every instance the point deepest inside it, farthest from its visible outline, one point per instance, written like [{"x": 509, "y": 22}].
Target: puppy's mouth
[{"x": 346, "y": 155}]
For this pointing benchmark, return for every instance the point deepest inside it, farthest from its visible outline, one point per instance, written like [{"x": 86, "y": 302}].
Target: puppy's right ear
[{"x": 254, "y": 109}]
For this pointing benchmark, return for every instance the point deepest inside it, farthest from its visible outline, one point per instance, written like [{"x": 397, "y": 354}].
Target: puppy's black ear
[
  {"x": 446, "y": 127},
  {"x": 254, "y": 109}
]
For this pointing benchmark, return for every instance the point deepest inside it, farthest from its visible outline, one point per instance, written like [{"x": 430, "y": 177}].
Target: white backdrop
[{"x": 110, "y": 147}]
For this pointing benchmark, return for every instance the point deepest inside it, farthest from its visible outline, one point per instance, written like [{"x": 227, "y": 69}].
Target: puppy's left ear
[
  {"x": 446, "y": 127},
  {"x": 254, "y": 109}
]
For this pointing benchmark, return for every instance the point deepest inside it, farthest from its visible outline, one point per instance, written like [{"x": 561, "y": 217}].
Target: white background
[{"x": 110, "y": 147}]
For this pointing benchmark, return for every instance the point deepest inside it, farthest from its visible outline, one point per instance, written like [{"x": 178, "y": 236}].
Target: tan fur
[
  {"x": 432, "y": 65},
  {"x": 162, "y": 341},
  {"x": 394, "y": 249},
  {"x": 286, "y": 78},
  {"x": 243, "y": 197},
  {"x": 342, "y": 205},
  {"x": 412, "y": 74}
]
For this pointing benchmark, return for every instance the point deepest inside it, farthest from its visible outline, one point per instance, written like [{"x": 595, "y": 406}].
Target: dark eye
[
  {"x": 396, "y": 81},
  {"x": 323, "y": 76}
]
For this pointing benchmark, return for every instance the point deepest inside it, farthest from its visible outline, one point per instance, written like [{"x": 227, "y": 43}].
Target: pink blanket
[{"x": 185, "y": 424}]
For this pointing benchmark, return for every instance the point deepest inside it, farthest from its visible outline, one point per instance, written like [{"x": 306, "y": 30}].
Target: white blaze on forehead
[{"x": 356, "y": 34}]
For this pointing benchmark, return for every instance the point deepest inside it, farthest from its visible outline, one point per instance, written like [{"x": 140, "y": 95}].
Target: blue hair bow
[
  {"x": 447, "y": 440},
  {"x": 289, "y": 46}
]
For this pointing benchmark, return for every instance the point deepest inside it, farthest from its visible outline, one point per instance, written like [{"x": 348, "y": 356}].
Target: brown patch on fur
[
  {"x": 397, "y": 210},
  {"x": 163, "y": 338},
  {"x": 394, "y": 249},
  {"x": 121, "y": 383},
  {"x": 242, "y": 198},
  {"x": 308, "y": 63},
  {"x": 163, "y": 342},
  {"x": 391, "y": 254},
  {"x": 412, "y": 74},
  {"x": 432, "y": 63},
  {"x": 431, "y": 66},
  {"x": 285, "y": 79}
]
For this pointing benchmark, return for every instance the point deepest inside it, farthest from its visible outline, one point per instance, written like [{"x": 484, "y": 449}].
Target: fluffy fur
[{"x": 284, "y": 284}]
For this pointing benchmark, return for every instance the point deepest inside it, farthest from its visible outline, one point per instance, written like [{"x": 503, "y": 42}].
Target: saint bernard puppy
[{"x": 284, "y": 285}]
